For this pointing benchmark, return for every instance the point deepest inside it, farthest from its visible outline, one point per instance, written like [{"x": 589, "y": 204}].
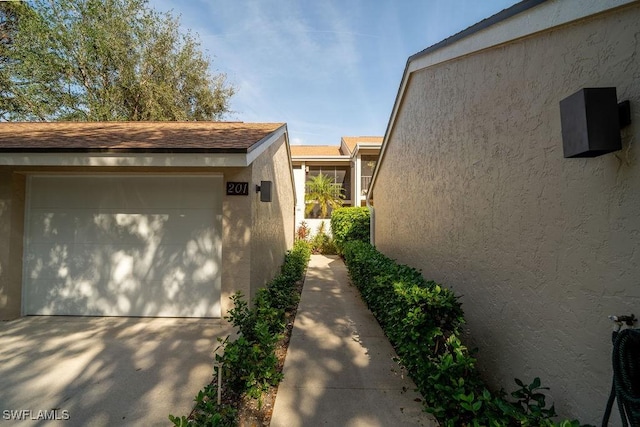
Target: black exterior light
[
  {"x": 591, "y": 121},
  {"x": 265, "y": 191}
]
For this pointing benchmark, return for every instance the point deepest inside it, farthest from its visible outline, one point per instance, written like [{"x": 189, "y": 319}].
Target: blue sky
[{"x": 329, "y": 68}]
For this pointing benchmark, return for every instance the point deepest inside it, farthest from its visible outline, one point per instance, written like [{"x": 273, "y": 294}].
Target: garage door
[{"x": 123, "y": 245}]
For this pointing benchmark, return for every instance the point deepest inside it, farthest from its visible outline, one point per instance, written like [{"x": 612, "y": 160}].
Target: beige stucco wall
[
  {"x": 474, "y": 190},
  {"x": 238, "y": 223},
  {"x": 272, "y": 222},
  {"x": 11, "y": 231}
]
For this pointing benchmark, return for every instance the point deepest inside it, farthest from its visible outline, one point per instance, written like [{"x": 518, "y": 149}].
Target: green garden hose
[{"x": 626, "y": 377}]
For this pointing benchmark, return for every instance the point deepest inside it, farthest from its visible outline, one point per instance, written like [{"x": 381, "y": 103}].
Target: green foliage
[
  {"x": 322, "y": 243},
  {"x": 350, "y": 223},
  {"x": 322, "y": 191},
  {"x": 424, "y": 321},
  {"x": 296, "y": 260},
  {"x": 249, "y": 362},
  {"x": 96, "y": 60}
]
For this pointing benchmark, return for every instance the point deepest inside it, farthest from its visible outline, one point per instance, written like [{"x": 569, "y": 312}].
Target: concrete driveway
[{"x": 103, "y": 371}]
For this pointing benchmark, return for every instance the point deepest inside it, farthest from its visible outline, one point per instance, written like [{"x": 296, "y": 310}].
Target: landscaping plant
[
  {"x": 249, "y": 362},
  {"x": 349, "y": 224},
  {"x": 322, "y": 191},
  {"x": 303, "y": 232},
  {"x": 322, "y": 243}
]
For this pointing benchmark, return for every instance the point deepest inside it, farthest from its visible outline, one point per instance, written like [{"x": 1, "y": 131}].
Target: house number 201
[{"x": 237, "y": 188}]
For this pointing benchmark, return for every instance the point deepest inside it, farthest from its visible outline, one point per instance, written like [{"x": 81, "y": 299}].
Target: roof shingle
[
  {"x": 352, "y": 141},
  {"x": 133, "y": 136},
  {"x": 315, "y": 150}
]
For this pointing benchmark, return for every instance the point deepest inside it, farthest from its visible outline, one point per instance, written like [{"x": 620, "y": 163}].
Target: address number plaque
[{"x": 237, "y": 188}]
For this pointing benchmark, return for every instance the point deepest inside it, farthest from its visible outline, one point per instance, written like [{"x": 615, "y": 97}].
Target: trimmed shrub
[
  {"x": 322, "y": 243},
  {"x": 351, "y": 223}
]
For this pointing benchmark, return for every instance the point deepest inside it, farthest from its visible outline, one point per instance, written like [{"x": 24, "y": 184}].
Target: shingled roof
[
  {"x": 315, "y": 150},
  {"x": 352, "y": 141},
  {"x": 161, "y": 137}
]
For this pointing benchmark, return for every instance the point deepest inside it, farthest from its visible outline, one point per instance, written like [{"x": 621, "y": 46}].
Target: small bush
[
  {"x": 348, "y": 224},
  {"x": 322, "y": 243}
]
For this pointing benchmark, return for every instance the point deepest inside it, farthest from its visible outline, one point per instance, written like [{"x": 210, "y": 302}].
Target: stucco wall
[
  {"x": 474, "y": 190},
  {"x": 11, "y": 230},
  {"x": 272, "y": 222}
]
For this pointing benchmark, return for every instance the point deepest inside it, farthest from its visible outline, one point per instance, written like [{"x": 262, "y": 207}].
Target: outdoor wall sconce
[
  {"x": 591, "y": 121},
  {"x": 265, "y": 191}
]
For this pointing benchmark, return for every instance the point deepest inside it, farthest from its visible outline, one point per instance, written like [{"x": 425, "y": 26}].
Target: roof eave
[
  {"x": 261, "y": 146},
  {"x": 364, "y": 146},
  {"x": 111, "y": 159},
  {"x": 131, "y": 156},
  {"x": 320, "y": 158}
]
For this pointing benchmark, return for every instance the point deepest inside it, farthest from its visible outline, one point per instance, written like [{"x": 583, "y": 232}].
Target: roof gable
[{"x": 352, "y": 141}]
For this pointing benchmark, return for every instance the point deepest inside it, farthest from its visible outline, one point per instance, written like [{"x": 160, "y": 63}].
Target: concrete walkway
[{"x": 339, "y": 369}]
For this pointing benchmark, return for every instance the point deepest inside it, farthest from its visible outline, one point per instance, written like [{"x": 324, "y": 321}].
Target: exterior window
[{"x": 341, "y": 176}]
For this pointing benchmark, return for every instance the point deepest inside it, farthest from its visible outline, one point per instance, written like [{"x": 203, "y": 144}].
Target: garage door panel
[
  {"x": 125, "y": 261},
  {"x": 48, "y": 225},
  {"x": 103, "y": 191},
  {"x": 55, "y": 261},
  {"x": 124, "y": 298}
]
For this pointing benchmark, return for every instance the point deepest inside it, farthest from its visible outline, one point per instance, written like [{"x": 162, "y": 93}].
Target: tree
[
  {"x": 323, "y": 191},
  {"x": 103, "y": 60}
]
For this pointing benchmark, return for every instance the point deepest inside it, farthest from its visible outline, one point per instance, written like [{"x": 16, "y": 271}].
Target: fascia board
[
  {"x": 261, "y": 146},
  {"x": 364, "y": 146},
  {"x": 183, "y": 160},
  {"x": 289, "y": 159},
  {"x": 126, "y": 159},
  {"x": 344, "y": 146},
  {"x": 546, "y": 16},
  {"x": 321, "y": 159}
]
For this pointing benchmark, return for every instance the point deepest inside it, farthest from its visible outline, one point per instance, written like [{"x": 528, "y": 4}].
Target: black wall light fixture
[
  {"x": 591, "y": 121},
  {"x": 265, "y": 191}
]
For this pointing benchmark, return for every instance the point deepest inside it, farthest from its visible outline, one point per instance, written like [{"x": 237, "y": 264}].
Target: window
[{"x": 341, "y": 176}]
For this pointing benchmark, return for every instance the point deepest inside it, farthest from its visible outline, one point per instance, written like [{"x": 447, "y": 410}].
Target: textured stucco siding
[
  {"x": 474, "y": 190},
  {"x": 272, "y": 222},
  {"x": 236, "y": 239},
  {"x": 11, "y": 230}
]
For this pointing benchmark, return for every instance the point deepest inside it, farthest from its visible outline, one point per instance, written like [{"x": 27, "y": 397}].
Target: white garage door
[{"x": 123, "y": 245}]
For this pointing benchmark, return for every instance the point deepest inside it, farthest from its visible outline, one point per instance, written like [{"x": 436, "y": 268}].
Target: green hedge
[
  {"x": 424, "y": 323},
  {"x": 250, "y": 362},
  {"x": 349, "y": 224}
]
